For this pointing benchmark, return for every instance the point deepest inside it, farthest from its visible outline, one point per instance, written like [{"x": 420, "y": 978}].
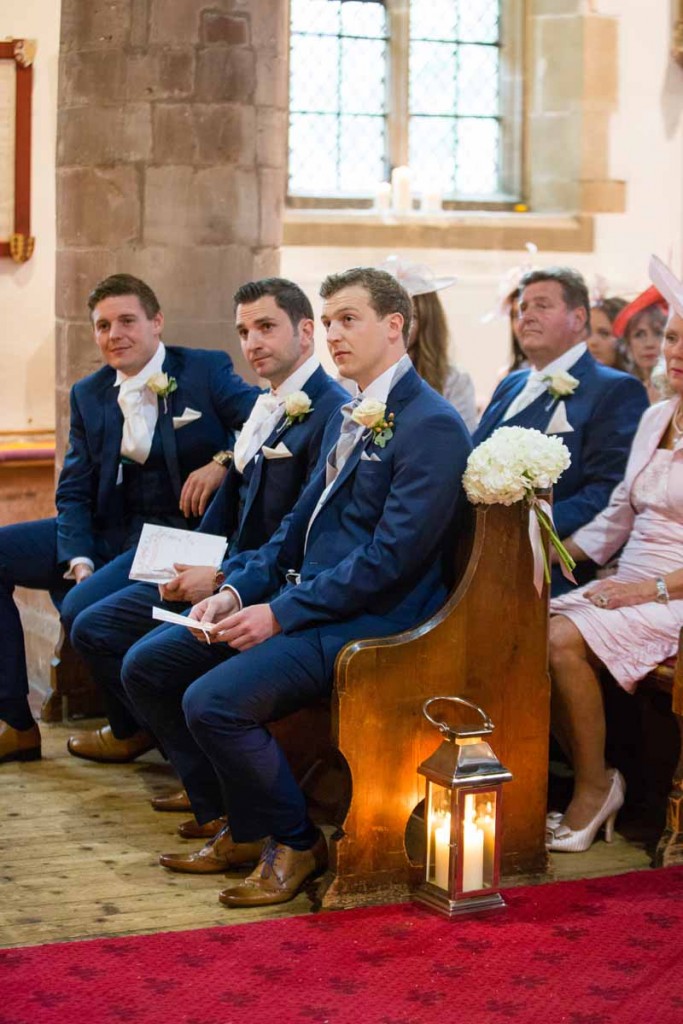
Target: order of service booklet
[{"x": 162, "y": 547}]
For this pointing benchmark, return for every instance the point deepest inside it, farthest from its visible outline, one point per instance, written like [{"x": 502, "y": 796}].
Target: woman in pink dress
[{"x": 629, "y": 622}]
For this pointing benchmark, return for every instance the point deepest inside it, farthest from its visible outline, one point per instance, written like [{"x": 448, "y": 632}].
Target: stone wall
[{"x": 171, "y": 161}]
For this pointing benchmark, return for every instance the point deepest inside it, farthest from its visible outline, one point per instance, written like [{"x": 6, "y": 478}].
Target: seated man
[
  {"x": 274, "y": 456},
  {"x": 366, "y": 552},
  {"x": 594, "y": 409},
  {"x": 146, "y": 444}
]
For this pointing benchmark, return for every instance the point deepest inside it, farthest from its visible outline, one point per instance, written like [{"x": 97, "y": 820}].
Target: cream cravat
[
  {"x": 136, "y": 439},
  {"x": 535, "y": 385},
  {"x": 262, "y": 421}
]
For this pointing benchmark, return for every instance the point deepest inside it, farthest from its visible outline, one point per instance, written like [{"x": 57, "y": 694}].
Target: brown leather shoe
[
  {"x": 102, "y": 745},
  {"x": 179, "y": 801},
  {"x": 19, "y": 744},
  {"x": 278, "y": 876},
  {"x": 220, "y": 854},
  {"x": 193, "y": 830}
]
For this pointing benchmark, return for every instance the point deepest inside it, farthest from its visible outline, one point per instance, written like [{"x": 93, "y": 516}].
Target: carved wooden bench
[
  {"x": 489, "y": 644},
  {"x": 668, "y": 678}
]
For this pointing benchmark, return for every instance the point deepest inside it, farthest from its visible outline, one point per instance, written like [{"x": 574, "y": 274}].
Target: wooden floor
[{"x": 79, "y": 847}]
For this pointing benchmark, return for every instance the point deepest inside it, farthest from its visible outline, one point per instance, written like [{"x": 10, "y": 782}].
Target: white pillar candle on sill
[
  {"x": 383, "y": 196},
  {"x": 400, "y": 186},
  {"x": 432, "y": 199}
]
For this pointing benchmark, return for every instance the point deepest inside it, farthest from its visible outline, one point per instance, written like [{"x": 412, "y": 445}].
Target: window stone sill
[{"x": 448, "y": 230}]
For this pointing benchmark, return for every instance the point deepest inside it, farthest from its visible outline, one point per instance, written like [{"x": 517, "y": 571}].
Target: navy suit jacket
[
  {"x": 249, "y": 507},
  {"x": 604, "y": 411},
  {"x": 89, "y": 508},
  {"x": 378, "y": 556}
]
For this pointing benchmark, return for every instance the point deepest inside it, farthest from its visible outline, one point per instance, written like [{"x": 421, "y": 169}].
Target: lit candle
[
  {"x": 400, "y": 185},
  {"x": 383, "y": 196},
  {"x": 473, "y": 850},
  {"x": 488, "y": 826},
  {"x": 442, "y": 849},
  {"x": 431, "y": 200}
]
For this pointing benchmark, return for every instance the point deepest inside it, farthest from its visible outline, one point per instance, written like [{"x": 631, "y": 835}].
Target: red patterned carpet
[{"x": 602, "y": 951}]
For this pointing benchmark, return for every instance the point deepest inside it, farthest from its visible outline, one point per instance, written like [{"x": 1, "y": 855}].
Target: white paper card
[
  {"x": 182, "y": 620},
  {"x": 160, "y": 547}
]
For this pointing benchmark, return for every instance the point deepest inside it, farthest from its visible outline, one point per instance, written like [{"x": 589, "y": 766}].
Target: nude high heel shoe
[{"x": 566, "y": 840}]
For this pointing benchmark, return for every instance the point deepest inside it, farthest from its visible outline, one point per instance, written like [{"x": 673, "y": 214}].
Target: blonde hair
[{"x": 429, "y": 350}]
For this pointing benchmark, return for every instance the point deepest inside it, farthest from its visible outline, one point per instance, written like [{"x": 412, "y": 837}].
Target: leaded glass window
[{"x": 418, "y": 82}]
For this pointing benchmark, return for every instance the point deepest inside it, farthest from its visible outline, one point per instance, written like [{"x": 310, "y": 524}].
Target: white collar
[
  {"x": 380, "y": 387},
  {"x": 563, "y": 362},
  {"x": 296, "y": 380},
  {"x": 150, "y": 368}
]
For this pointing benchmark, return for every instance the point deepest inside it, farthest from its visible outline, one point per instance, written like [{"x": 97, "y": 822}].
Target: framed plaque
[{"x": 16, "y": 82}]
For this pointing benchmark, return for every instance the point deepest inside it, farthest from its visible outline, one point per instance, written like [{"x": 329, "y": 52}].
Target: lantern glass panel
[
  {"x": 438, "y": 835},
  {"x": 479, "y": 840}
]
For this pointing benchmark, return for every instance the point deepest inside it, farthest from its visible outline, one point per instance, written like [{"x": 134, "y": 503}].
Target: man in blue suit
[
  {"x": 366, "y": 552},
  {"x": 594, "y": 409},
  {"x": 147, "y": 443},
  {"x": 273, "y": 459}
]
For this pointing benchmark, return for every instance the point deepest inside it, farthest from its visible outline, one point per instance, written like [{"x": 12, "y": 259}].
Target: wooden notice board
[{"x": 16, "y": 82}]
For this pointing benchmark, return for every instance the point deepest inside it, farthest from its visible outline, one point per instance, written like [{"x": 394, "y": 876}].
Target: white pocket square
[
  {"x": 364, "y": 457},
  {"x": 559, "y": 424},
  {"x": 189, "y": 416},
  {"x": 281, "y": 451}
]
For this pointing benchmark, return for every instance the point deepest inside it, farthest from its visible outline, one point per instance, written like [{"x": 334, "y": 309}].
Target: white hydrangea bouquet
[{"x": 511, "y": 466}]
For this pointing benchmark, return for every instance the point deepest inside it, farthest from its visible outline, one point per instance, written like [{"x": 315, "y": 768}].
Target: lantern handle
[{"x": 482, "y": 730}]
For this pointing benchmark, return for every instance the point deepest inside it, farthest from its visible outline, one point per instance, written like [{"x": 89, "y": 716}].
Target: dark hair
[
  {"x": 125, "y": 284},
  {"x": 429, "y": 350},
  {"x": 611, "y": 306},
  {"x": 654, "y": 313},
  {"x": 288, "y": 297},
  {"x": 387, "y": 296},
  {"x": 574, "y": 290}
]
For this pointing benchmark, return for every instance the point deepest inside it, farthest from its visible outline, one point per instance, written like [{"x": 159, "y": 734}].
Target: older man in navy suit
[
  {"x": 594, "y": 409},
  {"x": 148, "y": 441},
  {"x": 274, "y": 457},
  {"x": 365, "y": 552}
]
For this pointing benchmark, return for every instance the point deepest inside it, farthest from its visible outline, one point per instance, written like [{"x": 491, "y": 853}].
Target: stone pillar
[
  {"x": 171, "y": 162},
  {"x": 573, "y": 93}
]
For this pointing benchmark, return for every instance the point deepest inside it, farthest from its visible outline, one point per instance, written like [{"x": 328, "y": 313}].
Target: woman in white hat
[
  {"x": 428, "y": 339},
  {"x": 629, "y": 622}
]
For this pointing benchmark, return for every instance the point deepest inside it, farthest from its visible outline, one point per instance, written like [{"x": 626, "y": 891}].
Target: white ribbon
[{"x": 538, "y": 546}]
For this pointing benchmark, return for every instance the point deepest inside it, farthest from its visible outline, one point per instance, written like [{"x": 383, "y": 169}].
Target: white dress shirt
[
  {"x": 537, "y": 383},
  {"x": 140, "y": 408},
  {"x": 267, "y": 413}
]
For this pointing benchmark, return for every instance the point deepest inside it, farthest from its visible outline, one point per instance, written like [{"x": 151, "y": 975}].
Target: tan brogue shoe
[
  {"x": 193, "y": 830},
  {"x": 219, "y": 854},
  {"x": 278, "y": 876},
  {"x": 102, "y": 745},
  {"x": 179, "y": 801},
  {"x": 19, "y": 744}
]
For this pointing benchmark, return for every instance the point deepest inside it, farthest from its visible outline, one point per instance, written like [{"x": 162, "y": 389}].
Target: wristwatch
[
  {"x": 662, "y": 591},
  {"x": 222, "y": 458}
]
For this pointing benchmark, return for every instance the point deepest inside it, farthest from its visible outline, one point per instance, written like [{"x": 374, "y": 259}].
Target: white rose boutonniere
[
  {"x": 297, "y": 406},
  {"x": 162, "y": 385},
  {"x": 372, "y": 414},
  {"x": 561, "y": 385}
]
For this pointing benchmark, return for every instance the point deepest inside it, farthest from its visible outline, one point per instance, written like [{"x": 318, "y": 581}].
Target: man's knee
[{"x": 144, "y": 670}]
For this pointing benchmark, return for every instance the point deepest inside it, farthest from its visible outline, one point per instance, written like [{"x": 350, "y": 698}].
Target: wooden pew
[
  {"x": 489, "y": 644},
  {"x": 668, "y": 678}
]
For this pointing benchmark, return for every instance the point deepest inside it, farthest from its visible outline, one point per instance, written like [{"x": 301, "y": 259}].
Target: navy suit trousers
[
  {"x": 208, "y": 706},
  {"x": 28, "y": 558}
]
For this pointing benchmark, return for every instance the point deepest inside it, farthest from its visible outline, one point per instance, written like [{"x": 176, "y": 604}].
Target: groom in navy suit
[
  {"x": 147, "y": 443},
  {"x": 594, "y": 409},
  {"x": 273, "y": 459},
  {"x": 366, "y": 552}
]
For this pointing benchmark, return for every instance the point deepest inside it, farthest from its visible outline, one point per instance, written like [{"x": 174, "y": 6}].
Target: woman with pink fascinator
[
  {"x": 429, "y": 336},
  {"x": 631, "y": 621}
]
